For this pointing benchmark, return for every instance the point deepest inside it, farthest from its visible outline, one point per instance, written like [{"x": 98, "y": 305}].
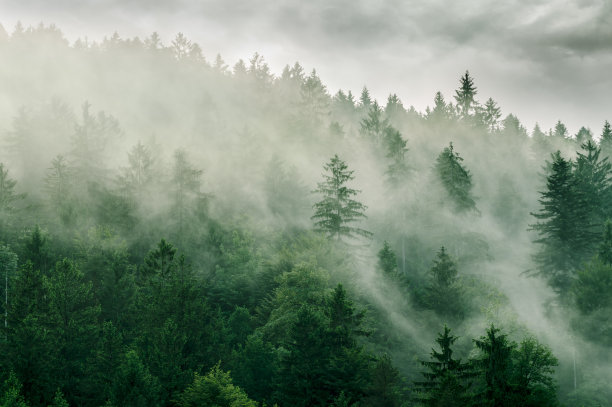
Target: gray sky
[{"x": 542, "y": 60}]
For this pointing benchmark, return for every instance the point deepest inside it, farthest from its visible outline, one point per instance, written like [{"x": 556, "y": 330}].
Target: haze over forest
[{"x": 178, "y": 231}]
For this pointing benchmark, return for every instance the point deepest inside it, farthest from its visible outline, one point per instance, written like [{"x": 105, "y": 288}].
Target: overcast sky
[{"x": 541, "y": 60}]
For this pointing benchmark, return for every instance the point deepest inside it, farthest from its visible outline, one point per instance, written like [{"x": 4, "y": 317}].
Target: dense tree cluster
[{"x": 180, "y": 248}]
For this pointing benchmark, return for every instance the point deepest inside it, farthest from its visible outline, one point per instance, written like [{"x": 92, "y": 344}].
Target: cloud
[{"x": 552, "y": 48}]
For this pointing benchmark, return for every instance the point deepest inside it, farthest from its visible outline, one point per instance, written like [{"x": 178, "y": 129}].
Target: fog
[{"x": 250, "y": 142}]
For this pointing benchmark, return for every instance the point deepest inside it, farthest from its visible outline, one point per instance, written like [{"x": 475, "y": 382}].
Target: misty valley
[{"x": 175, "y": 231}]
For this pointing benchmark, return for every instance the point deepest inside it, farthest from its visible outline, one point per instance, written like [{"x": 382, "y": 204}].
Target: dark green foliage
[
  {"x": 605, "y": 141},
  {"x": 447, "y": 380},
  {"x": 10, "y": 393},
  {"x": 134, "y": 385},
  {"x": 443, "y": 293},
  {"x": 254, "y": 367},
  {"x": 592, "y": 288},
  {"x": 533, "y": 370},
  {"x": 335, "y": 214},
  {"x": 215, "y": 390},
  {"x": 515, "y": 374},
  {"x": 456, "y": 179},
  {"x": 395, "y": 146},
  {"x": 496, "y": 367},
  {"x": 465, "y": 96},
  {"x": 72, "y": 325},
  {"x": 37, "y": 250},
  {"x": 384, "y": 389},
  {"x": 323, "y": 357},
  {"x": 387, "y": 260},
  {"x": 563, "y": 238}
]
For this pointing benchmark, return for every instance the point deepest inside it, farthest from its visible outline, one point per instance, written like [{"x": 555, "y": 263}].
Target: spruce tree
[
  {"x": 564, "y": 240},
  {"x": 396, "y": 153},
  {"x": 495, "y": 365},
  {"x": 447, "y": 380},
  {"x": 443, "y": 293},
  {"x": 605, "y": 142},
  {"x": 336, "y": 213},
  {"x": 491, "y": 115},
  {"x": 455, "y": 178},
  {"x": 373, "y": 126},
  {"x": 465, "y": 96}
]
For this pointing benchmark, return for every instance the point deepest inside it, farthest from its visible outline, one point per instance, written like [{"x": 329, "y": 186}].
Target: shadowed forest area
[{"x": 178, "y": 232}]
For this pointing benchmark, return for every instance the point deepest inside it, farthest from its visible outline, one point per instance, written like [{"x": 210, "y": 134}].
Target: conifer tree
[
  {"x": 495, "y": 365},
  {"x": 560, "y": 130},
  {"x": 443, "y": 293},
  {"x": 456, "y": 179},
  {"x": 491, "y": 115},
  {"x": 440, "y": 112},
  {"x": 447, "y": 380},
  {"x": 8, "y": 198},
  {"x": 338, "y": 211},
  {"x": 396, "y": 153},
  {"x": 564, "y": 240},
  {"x": 605, "y": 141},
  {"x": 465, "y": 96},
  {"x": 364, "y": 99},
  {"x": 373, "y": 127},
  {"x": 387, "y": 260}
]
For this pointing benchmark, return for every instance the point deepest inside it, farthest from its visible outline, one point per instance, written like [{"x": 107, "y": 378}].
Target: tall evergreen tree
[
  {"x": 455, "y": 178},
  {"x": 72, "y": 323},
  {"x": 447, "y": 380},
  {"x": 491, "y": 115},
  {"x": 495, "y": 365},
  {"x": 337, "y": 211},
  {"x": 563, "y": 238},
  {"x": 443, "y": 293},
  {"x": 465, "y": 96},
  {"x": 396, "y": 153},
  {"x": 373, "y": 127},
  {"x": 605, "y": 141}
]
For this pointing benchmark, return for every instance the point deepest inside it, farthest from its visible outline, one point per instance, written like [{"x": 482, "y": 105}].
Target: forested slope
[{"x": 174, "y": 231}]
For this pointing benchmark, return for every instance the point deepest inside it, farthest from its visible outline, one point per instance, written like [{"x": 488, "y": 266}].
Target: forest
[{"x": 175, "y": 231}]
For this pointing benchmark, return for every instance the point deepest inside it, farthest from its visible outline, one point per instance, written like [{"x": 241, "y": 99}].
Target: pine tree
[
  {"x": 443, "y": 293},
  {"x": 605, "y": 142},
  {"x": 335, "y": 214},
  {"x": 491, "y": 115},
  {"x": 387, "y": 260},
  {"x": 373, "y": 127},
  {"x": 187, "y": 198},
  {"x": 563, "y": 238},
  {"x": 214, "y": 389},
  {"x": 595, "y": 186},
  {"x": 58, "y": 187},
  {"x": 396, "y": 153},
  {"x": 465, "y": 96},
  {"x": 8, "y": 199},
  {"x": 592, "y": 288},
  {"x": 560, "y": 130},
  {"x": 496, "y": 367},
  {"x": 440, "y": 112},
  {"x": 456, "y": 180},
  {"x": 138, "y": 176},
  {"x": 446, "y": 379},
  {"x": 584, "y": 136},
  {"x": 364, "y": 99},
  {"x": 384, "y": 389},
  {"x": 72, "y": 323}
]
